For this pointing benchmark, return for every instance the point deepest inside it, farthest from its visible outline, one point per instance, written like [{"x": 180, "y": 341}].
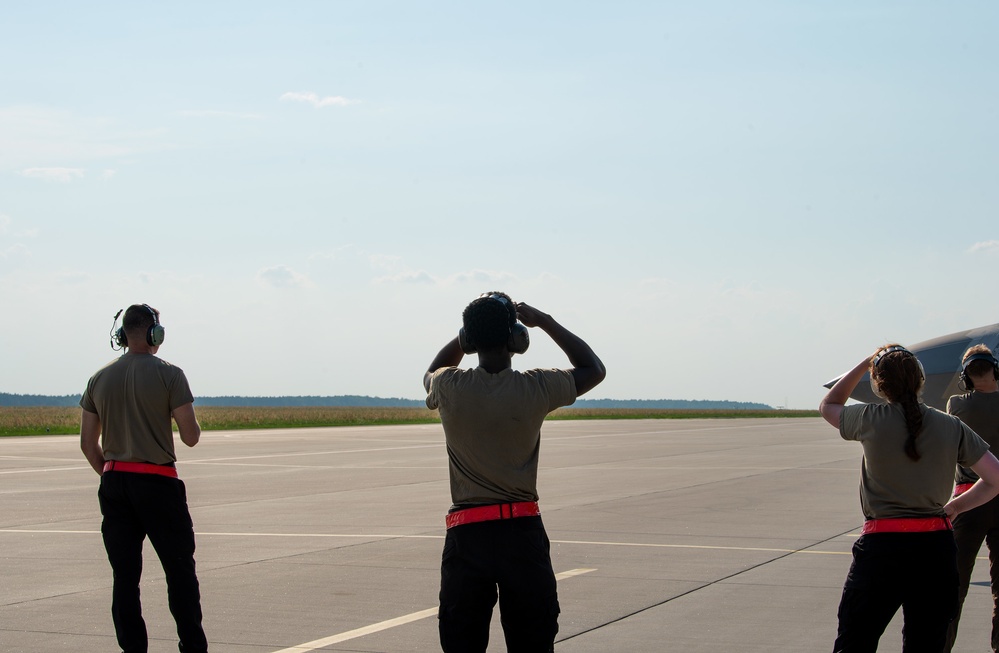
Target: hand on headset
[{"x": 528, "y": 315}]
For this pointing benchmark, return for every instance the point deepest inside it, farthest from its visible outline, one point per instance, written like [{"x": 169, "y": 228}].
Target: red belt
[
  {"x": 492, "y": 512},
  {"x": 907, "y": 525},
  {"x": 961, "y": 488},
  {"x": 140, "y": 468}
]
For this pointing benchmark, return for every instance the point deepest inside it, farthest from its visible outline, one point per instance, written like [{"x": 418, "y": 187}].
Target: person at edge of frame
[
  {"x": 905, "y": 555},
  {"x": 979, "y": 409},
  {"x": 492, "y": 417},
  {"x": 127, "y": 437}
]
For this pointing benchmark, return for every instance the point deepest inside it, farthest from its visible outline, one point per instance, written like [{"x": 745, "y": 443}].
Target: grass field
[{"x": 64, "y": 421}]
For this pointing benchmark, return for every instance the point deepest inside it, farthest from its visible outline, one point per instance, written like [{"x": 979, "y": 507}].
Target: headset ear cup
[
  {"x": 155, "y": 335},
  {"x": 519, "y": 340},
  {"x": 119, "y": 337},
  {"x": 465, "y": 342}
]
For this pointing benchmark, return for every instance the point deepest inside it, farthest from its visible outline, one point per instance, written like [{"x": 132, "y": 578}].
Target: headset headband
[
  {"x": 890, "y": 350},
  {"x": 980, "y": 356},
  {"x": 511, "y": 310}
]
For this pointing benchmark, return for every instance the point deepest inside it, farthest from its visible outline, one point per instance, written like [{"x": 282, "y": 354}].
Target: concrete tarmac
[{"x": 667, "y": 535}]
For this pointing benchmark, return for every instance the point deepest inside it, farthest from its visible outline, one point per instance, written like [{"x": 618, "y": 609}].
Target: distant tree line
[
  {"x": 672, "y": 404},
  {"x": 7, "y": 399}
]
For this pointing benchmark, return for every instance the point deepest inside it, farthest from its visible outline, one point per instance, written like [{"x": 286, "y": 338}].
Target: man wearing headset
[
  {"x": 979, "y": 409},
  {"x": 127, "y": 437},
  {"x": 492, "y": 417}
]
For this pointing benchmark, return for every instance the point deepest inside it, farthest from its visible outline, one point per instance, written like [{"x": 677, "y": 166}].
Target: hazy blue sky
[{"x": 728, "y": 200}]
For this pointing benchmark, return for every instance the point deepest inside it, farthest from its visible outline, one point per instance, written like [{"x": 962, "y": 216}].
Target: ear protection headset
[
  {"x": 155, "y": 334},
  {"x": 877, "y": 359},
  {"x": 966, "y": 380},
  {"x": 517, "y": 342}
]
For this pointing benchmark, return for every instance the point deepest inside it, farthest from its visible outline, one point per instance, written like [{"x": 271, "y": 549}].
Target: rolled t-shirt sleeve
[
  {"x": 180, "y": 391},
  {"x": 559, "y": 385},
  {"x": 851, "y": 421},
  {"x": 87, "y": 401},
  {"x": 433, "y": 394}
]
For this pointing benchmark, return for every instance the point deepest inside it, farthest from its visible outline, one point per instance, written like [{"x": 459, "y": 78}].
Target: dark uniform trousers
[
  {"x": 971, "y": 529},
  {"x": 134, "y": 506},
  {"x": 914, "y": 571},
  {"x": 508, "y": 555}
]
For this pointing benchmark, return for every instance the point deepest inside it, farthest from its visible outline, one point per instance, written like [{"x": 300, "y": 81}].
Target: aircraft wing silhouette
[{"x": 941, "y": 359}]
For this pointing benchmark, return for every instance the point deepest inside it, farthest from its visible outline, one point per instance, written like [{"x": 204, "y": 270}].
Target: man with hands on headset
[{"x": 492, "y": 417}]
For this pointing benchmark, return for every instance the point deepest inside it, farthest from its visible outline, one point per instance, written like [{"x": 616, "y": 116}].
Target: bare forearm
[
  {"x": 979, "y": 494},
  {"x": 95, "y": 456},
  {"x": 587, "y": 368},
  {"x": 984, "y": 489},
  {"x": 190, "y": 436},
  {"x": 187, "y": 424},
  {"x": 450, "y": 355},
  {"x": 576, "y": 350},
  {"x": 832, "y": 404},
  {"x": 90, "y": 440}
]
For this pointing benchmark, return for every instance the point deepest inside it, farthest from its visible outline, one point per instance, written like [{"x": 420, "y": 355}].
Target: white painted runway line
[
  {"x": 392, "y": 623},
  {"x": 409, "y": 536}
]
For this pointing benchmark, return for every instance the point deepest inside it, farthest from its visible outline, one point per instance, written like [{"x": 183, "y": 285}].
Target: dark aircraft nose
[{"x": 941, "y": 359}]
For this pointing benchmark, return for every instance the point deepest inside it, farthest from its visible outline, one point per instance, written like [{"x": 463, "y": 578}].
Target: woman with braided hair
[{"x": 905, "y": 556}]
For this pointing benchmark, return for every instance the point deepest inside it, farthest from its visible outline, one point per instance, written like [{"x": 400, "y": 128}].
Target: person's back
[
  {"x": 127, "y": 437},
  {"x": 905, "y": 556},
  {"x": 979, "y": 409},
  {"x": 492, "y": 424},
  {"x": 133, "y": 396},
  {"x": 905, "y": 487},
  {"x": 492, "y": 417}
]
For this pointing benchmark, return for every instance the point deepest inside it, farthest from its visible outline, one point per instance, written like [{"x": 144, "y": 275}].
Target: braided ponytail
[
  {"x": 898, "y": 376},
  {"x": 913, "y": 424}
]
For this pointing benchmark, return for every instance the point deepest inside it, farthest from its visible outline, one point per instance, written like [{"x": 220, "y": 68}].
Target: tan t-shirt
[
  {"x": 892, "y": 484},
  {"x": 492, "y": 426},
  {"x": 134, "y": 396},
  {"x": 980, "y": 411}
]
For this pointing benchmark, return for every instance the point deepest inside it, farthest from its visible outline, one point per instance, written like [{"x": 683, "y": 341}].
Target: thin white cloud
[
  {"x": 209, "y": 113},
  {"x": 7, "y": 227},
  {"x": 108, "y": 174},
  {"x": 19, "y": 250},
  {"x": 31, "y": 134},
  {"x": 409, "y": 276},
  {"x": 316, "y": 101},
  {"x": 62, "y": 175},
  {"x": 282, "y": 276},
  {"x": 985, "y": 246},
  {"x": 481, "y": 276}
]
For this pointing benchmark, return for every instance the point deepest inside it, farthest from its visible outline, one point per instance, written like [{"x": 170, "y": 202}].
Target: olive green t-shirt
[
  {"x": 892, "y": 484},
  {"x": 492, "y": 427},
  {"x": 980, "y": 411},
  {"x": 134, "y": 396}
]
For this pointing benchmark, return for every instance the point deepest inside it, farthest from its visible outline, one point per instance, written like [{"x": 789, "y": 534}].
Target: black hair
[
  {"x": 900, "y": 379},
  {"x": 138, "y": 318},
  {"x": 488, "y": 319}
]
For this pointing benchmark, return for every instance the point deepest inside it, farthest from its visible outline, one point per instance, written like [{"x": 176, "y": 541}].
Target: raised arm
[
  {"x": 587, "y": 369},
  {"x": 449, "y": 356},
  {"x": 832, "y": 404}
]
